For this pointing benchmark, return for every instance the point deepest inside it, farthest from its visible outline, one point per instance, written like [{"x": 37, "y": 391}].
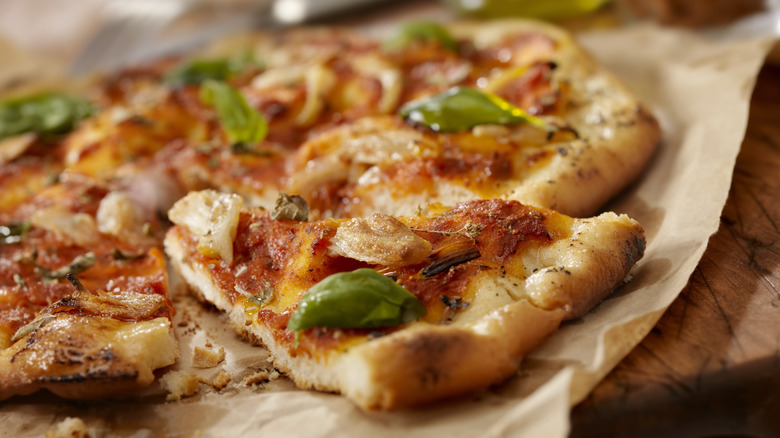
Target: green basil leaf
[
  {"x": 197, "y": 71},
  {"x": 459, "y": 109},
  {"x": 47, "y": 113},
  {"x": 421, "y": 31},
  {"x": 359, "y": 299},
  {"x": 241, "y": 122}
]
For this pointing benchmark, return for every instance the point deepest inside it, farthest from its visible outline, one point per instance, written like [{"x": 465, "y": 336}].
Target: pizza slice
[
  {"x": 393, "y": 312},
  {"x": 85, "y": 311},
  {"x": 513, "y": 110}
]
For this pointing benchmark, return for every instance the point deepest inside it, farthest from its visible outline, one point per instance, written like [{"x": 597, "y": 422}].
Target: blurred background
[{"x": 62, "y": 30}]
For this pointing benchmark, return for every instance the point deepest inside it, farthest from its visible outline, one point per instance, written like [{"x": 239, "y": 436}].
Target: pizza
[{"x": 397, "y": 220}]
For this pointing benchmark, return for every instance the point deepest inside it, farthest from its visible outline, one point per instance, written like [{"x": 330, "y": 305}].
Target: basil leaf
[
  {"x": 197, "y": 71},
  {"x": 421, "y": 31},
  {"x": 241, "y": 122},
  {"x": 462, "y": 108},
  {"x": 359, "y": 299},
  {"x": 47, "y": 113}
]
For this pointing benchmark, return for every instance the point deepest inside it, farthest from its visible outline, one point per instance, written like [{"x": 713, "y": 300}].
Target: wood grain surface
[{"x": 711, "y": 366}]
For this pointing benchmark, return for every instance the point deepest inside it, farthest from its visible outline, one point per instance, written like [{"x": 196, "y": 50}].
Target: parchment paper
[{"x": 700, "y": 91}]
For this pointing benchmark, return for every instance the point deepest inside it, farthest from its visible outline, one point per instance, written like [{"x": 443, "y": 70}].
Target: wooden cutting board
[{"x": 711, "y": 366}]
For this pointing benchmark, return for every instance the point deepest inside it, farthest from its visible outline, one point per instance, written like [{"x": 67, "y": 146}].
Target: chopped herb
[
  {"x": 291, "y": 208},
  {"x": 472, "y": 230},
  {"x": 78, "y": 265},
  {"x": 37, "y": 323},
  {"x": 19, "y": 281},
  {"x": 449, "y": 256},
  {"x": 76, "y": 283},
  {"x": 47, "y": 113},
  {"x": 453, "y": 305},
  {"x": 13, "y": 232},
  {"x": 264, "y": 297}
]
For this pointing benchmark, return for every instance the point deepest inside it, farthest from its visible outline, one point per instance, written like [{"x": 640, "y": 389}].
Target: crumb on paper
[
  {"x": 261, "y": 376},
  {"x": 180, "y": 384},
  {"x": 221, "y": 380},
  {"x": 206, "y": 358},
  {"x": 69, "y": 428}
]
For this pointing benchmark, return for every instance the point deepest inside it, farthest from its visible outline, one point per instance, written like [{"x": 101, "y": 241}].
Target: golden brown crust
[{"x": 429, "y": 363}]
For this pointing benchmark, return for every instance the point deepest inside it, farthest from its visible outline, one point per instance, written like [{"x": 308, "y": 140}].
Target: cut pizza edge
[
  {"x": 506, "y": 318},
  {"x": 90, "y": 346},
  {"x": 92, "y": 316}
]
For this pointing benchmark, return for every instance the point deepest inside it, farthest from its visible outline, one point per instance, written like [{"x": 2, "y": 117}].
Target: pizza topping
[
  {"x": 379, "y": 239},
  {"x": 451, "y": 255},
  {"x": 422, "y": 31},
  {"x": 453, "y": 305},
  {"x": 290, "y": 208},
  {"x": 118, "y": 215},
  {"x": 385, "y": 148},
  {"x": 241, "y": 122},
  {"x": 359, "y": 299},
  {"x": 319, "y": 81},
  {"x": 48, "y": 113},
  {"x": 78, "y": 228},
  {"x": 79, "y": 264},
  {"x": 462, "y": 108},
  {"x": 14, "y": 146},
  {"x": 199, "y": 70},
  {"x": 388, "y": 75},
  {"x": 13, "y": 232},
  {"x": 124, "y": 256},
  {"x": 213, "y": 218}
]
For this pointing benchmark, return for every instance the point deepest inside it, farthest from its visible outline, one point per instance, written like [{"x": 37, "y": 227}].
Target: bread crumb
[
  {"x": 180, "y": 384},
  {"x": 221, "y": 380},
  {"x": 69, "y": 428},
  {"x": 205, "y": 358},
  {"x": 261, "y": 376}
]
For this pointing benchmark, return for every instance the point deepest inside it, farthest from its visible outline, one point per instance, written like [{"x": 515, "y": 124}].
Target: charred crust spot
[
  {"x": 432, "y": 354},
  {"x": 634, "y": 249}
]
